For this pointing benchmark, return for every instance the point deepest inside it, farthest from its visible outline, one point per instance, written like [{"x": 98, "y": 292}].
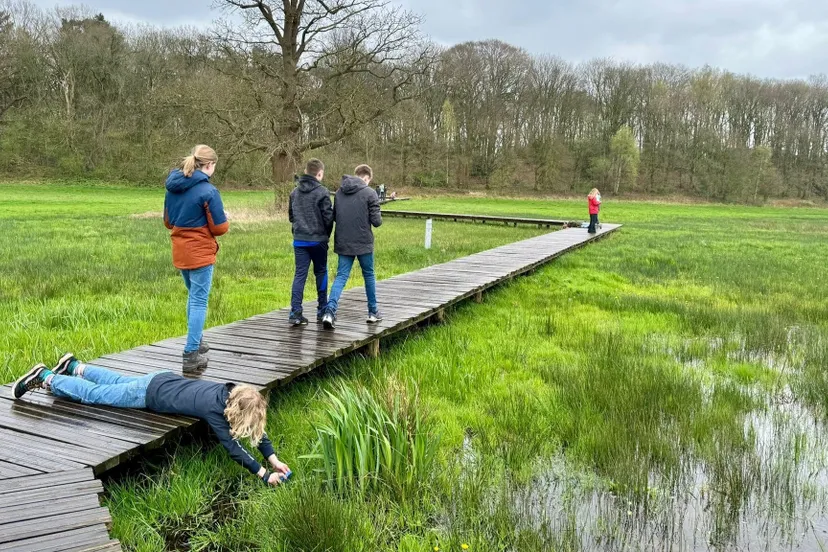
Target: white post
[{"x": 428, "y": 234}]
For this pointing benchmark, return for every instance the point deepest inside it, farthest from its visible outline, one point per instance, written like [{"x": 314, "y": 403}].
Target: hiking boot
[
  {"x": 374, "y": 317},
  {"x": 203, "y": 347},
  {"x": 194, "y": 363},
  {"x": 64, "y": 366},
  {"x": 329, "y": 320},
  {"x": 33, "y": 379},
  {"x": 298, "y": 320}
]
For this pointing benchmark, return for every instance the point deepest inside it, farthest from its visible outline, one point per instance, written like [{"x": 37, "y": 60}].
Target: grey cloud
[{"x": 769, "y": 38}]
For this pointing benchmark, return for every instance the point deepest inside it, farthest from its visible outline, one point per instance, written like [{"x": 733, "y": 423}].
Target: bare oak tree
[{"x": 308, "y": 73}]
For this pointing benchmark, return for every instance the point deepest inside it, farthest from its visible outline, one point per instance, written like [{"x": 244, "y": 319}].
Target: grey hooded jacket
[
  {"x": 356, "y": 210},
  {"x": 310, "y": 211}
]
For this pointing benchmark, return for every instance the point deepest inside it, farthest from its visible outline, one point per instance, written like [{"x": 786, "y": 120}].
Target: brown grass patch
[{"x": 242, "y": 215}]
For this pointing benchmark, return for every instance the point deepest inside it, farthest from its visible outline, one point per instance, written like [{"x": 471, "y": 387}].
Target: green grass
[
  {"x": 665, "y": 386},
  {"x": 89, "y": 267}
]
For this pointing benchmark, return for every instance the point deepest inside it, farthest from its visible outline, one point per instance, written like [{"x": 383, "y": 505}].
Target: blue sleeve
[
  {"x": 237, "y": 452},
  {"x": 266, "y": 447},
  {"x": 216, "y": 217},
  {"x": 167, "y": 221}
]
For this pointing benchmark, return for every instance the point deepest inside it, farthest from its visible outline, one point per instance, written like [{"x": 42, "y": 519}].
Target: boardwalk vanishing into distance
[{"x": 51, "y": 449}]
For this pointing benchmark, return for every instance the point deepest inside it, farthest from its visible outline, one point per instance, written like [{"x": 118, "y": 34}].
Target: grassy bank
[{"x": 662, "y": 389}]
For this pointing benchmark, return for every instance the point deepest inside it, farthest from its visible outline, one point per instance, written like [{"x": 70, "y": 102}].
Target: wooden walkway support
[
  {"x": 483, "y": 219},
  {"x": 41, "y": 435}
]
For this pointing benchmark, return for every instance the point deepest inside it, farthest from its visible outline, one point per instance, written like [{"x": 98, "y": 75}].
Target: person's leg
[
  {"x": 343, "y": 271},
  {"x": 132, "y": 394},
  {"x": 101, "y": 376},
  {"x": 591, "y": 228},
  {"x": 302, "y": 257},
  {"x": 319, "y": 255},
  {"x": 201, "y": 280},
  {"x": 366, "y": 263},
  {"x": 185, "y": 274}
]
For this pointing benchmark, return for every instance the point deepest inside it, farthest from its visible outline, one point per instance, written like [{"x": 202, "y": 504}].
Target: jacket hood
[
  {"x": 307, "y": 183},
  {"x": 177, "y": 183},
  {"x": 352, "y": 184}
]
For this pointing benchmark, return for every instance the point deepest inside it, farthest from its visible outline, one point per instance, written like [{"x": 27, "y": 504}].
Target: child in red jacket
[{"x": 594, "y": 201}]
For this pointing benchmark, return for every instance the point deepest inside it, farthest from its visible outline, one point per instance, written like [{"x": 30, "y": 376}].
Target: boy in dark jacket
[
  {"x": 232, "y": 411},
  {"x": 311, "y": 214},
  {"x": 356, "y": 211}
]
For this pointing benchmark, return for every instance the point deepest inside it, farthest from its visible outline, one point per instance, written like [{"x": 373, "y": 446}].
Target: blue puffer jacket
[{"x": 194, "y": 212}]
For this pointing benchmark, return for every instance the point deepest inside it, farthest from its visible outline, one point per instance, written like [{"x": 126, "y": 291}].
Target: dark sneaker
[
  {"x": 203, "y": 347},
  {"x": 33, "y": 379},
  {"x": 374, "y": 317},
  {"x": 64, "y": 365},
  {"x": 298, "y": 320},
  {"x": 194, "y": 363},
  {"x": 319, "y": 317},
  {"x": 329, "y": 320}
]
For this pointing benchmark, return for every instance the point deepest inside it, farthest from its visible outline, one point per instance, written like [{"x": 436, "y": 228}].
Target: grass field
[{"x": 664, "y": 389}]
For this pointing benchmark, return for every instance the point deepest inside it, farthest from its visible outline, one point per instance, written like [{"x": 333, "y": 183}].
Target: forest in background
[{"x": 273, "y": 83}]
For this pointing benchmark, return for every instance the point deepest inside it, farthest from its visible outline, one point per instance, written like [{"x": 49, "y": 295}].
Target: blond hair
[
  {"x": 200, "y": 157},
  {"x": 593, "y": 193},
  {"x": 364, "y": 170},
  {"x": 246, "y": 412}
]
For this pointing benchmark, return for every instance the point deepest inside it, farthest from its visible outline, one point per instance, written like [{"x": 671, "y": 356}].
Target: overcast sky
[{"x": 768, "y": 38}]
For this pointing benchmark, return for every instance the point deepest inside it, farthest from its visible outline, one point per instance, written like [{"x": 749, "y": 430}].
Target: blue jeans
[
  {"x": 198, "y": 282},
  {"x": 318, "y": 255},
  {"x": 104, "y": 387},
  {"x": 343, "y": 271}
]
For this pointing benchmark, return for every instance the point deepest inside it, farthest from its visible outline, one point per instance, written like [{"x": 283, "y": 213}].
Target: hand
[
  {"x": 275, "y": 479},
  {"x": 280, "y": 467}
]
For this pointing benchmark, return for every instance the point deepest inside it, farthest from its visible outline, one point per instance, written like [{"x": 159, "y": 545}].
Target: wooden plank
[
  {"x": 130, "y": 417},
  {"x": 9, "y": 470},
  {"x": 106, "y": 431},
  {"x": 84, "y": 538},
  {"x": 42, "y": 451},
  {"x": 44, "y": 510},
  {"x": 35, "y": 423},
  {"x": 457, "y": 217},
  {"x": 19, "y": 530},
  {"x": 33, "y": 496}
]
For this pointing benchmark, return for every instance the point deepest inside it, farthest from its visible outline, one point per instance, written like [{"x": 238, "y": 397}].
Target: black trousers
[
  {"x": 593, "y": 222},
  {"x": 318, "y": 255}
]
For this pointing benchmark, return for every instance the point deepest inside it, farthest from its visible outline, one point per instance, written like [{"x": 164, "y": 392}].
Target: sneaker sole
[{"x": 27, "y": 378}]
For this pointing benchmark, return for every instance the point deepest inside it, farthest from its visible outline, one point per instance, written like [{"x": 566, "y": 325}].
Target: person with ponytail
[{"x": 193, "y": 211}]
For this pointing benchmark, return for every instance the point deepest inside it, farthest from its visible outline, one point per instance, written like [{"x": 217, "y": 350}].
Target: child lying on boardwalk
[{"x": 233, "y": 411}]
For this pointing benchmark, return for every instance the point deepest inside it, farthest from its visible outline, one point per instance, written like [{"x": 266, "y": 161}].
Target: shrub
[{"x": 366, "y": 444}]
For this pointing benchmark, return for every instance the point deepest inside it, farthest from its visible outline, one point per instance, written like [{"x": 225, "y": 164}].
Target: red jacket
[{"x": 594, "y": 205}]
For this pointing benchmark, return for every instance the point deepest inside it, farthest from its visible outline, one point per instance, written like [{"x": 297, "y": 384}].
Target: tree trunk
[{"x": 284, "y": 166}]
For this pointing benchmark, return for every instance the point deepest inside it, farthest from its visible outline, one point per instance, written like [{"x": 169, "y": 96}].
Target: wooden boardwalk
[
  {"x": 41, "y": 435},
  {"x": 483, "y": 219}
]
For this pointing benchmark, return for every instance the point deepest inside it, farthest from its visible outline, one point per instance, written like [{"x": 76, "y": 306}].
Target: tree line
[{"x": 274, "y": 82}]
